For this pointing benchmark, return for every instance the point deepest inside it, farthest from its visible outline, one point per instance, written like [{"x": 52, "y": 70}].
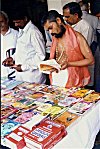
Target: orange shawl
[{"x": 78, "y": 76}]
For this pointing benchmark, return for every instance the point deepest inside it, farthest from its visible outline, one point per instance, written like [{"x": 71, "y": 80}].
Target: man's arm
[{"x": 38, "y": 44}]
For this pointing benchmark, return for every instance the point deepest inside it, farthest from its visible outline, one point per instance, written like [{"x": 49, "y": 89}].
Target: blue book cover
[
  {"x": 10, "y": 84},
  {"x": 7, "y": 127}
]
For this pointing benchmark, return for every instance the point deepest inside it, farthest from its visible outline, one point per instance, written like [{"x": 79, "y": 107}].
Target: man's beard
[{"x": 59, "y": 35}]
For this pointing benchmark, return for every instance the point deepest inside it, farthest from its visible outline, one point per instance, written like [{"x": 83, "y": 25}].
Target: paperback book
[
  {"x": 43, "y": 134},
  {"x": 15, "y": 140},
  {"x": 7, "y": 111},
  {"x": 49, "y": 66},
  {"x": 66, "y": 118}
]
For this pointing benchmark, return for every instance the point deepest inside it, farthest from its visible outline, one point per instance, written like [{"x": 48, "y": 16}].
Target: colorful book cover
[
  {"x": 24, "y": 117},
  {"x": 49, "y": 89},
  {"x": 68, "y": 101},
  {"x": 31, "y": 86},
  {"x": 54, "y": 111},
  {"x": 48, "y": 66},
  {"x": 55, "y": 141},
  {"x": 52, "y": 144},
  {"x": 6, "y": 111},
  {"x": 23, "y": 103},
  {"x": 10, "y": 84},
  {"x": 36, "y": 95},
  {"x": 7, "y": 127},
  {"x": 14, "y": 115},
  {"x": 15, "y": 139},
  {"x": 44, "y": 99},
  {"x": 42, "y": 106},
  {"x": 93, "y": 97},
  {"x": 25, "y": 85},
  {"x": 57, "y": 97},
  {"x": 18, "y": 105},
  {"x": 35, "y": 120},
  {"x": 80, "y": 93},
  {"x": 43, "y": 134},
  {"x": 66, "y": 118},
  {"x": 80, "y": 107}
]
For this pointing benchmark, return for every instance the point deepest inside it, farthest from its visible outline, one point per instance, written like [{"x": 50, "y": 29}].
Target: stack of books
[{"x": 45, "y": 135}]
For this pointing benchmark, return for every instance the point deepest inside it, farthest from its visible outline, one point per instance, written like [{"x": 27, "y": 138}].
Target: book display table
[{"x": 41, "y": 116}]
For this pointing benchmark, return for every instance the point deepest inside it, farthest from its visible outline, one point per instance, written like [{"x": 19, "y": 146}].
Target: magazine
[{"x": 49, "y": 66}]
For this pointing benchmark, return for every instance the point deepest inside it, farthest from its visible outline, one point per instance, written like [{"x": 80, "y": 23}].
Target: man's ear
[
  {"x": 26, "y": 19},
  {"x": 76, "y": 15},
  {"x": 58, "y": 20}
]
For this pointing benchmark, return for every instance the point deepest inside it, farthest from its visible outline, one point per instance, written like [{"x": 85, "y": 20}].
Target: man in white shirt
[
  {"x": 72, "y": 15},
  {"x": 92, "y": 20},
  {"x": 30, "y": 49},
  {"x": 48, "y": 43},
  {"x": 8, "y": 43}
]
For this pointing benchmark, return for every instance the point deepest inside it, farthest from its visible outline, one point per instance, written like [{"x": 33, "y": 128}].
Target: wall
[{"x": 58, "y": 4}]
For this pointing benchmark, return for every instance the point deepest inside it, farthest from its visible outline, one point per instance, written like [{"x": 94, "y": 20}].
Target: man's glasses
[{"x": 64, "y": 17}]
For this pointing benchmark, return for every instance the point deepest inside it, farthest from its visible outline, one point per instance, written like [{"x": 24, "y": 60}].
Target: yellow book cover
[{"x": 66, "y": 118}]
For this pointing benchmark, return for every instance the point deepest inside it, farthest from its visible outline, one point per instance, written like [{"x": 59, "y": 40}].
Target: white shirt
[
  {"x": 85, "y": 29},
  {"x": 8, "y": 41},
  {"x": 30, "y": 51},
  {"x": 48, "y": 41},
  {"x": 92, "y": 20}
]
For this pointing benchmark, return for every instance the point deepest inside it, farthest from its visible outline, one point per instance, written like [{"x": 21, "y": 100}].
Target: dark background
[{"x": 35, "y": 8}]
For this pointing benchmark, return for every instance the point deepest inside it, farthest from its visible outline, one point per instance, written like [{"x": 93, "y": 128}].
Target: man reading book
[{"x": 70, "y": 50}]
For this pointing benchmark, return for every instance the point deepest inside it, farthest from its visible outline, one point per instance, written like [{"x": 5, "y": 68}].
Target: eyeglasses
[{"x": 64, "y": 17}]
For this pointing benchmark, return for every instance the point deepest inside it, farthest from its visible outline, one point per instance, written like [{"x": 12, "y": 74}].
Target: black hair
[
  {"x": 74, "y": 8},
  {"x": 95, "y": 7},
  {"x": 20, "y": 13},
  {"x": 51, "y": 15}
]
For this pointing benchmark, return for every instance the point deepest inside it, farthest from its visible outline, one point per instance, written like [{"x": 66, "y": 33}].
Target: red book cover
[
  {"x": 58, "y": 139},
  {"x": 6, "y": 111},
  {"x": 44, "y": 133},
  {"x": 16, "y": 138},
  {"x": 54, "y": 142}
]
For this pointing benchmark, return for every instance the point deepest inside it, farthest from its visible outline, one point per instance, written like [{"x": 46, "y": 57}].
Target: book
[
  {"x": 81, "y": 92},
  {"x": 58, "y": 139},
  {"x": 10, "y": 84},
  {"x": 23, "y": 103},
  {"x": 49, "y": 66},
  {"x": 68, "y": 101},
  {"x": 7, "y": 127},
  {"x": 43, "y": 134},
  {"x": 15, "y": 140},
  {"x": 35, "y": 120},
  {"x": 24, "y": 117},
  {"x": 42, "y": 106},
  {"x": 54, "y": 111},
  {"x": 80, "y": 107},
  {"x": 6, "y": 111},
  {"x": 51, "y": 145},
  {"x": 93, "y": 97},
  {"x": 66, "y": 118}
]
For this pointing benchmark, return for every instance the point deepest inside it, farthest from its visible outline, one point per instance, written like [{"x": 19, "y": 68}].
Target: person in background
[
  {"x": 92, "y": 20},
  {"x": 30, "y": 49},
  {"x": 48, "y": 43},
  {"x": 95, "y": 10},
  {"x": 70, "y": 50},
  {"x": 73, "y": 15},
  {"x": 48, "y": 46},
  {"x": 8, "y": 43}
]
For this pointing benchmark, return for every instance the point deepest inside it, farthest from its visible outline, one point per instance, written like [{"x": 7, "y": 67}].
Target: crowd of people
[{"x": 72, "y": 39}]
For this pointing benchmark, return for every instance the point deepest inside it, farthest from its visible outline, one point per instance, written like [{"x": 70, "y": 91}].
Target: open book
[{"x": 49, "y": 66}]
